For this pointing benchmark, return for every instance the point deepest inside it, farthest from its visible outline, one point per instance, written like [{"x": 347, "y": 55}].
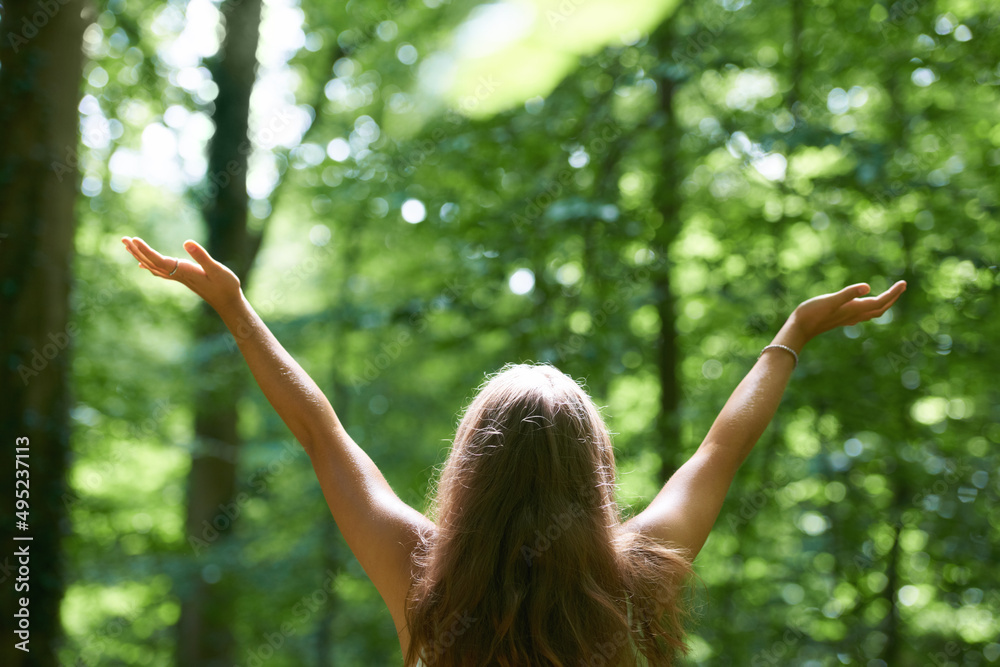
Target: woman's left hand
[{"x": 211, "y": 280}]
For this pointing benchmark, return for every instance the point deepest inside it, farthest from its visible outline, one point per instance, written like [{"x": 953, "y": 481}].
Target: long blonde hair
[{"x": 529, "y": 564}]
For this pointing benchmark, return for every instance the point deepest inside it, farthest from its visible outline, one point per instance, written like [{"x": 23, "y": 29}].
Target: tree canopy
[{"x": 637, "y": 192}]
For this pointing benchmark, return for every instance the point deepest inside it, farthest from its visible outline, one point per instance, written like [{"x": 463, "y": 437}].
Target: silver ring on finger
[{"x": 177, "y": 262}]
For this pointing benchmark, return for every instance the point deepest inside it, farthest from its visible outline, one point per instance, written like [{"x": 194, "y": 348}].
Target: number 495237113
[{"x": 22, "y": 482}]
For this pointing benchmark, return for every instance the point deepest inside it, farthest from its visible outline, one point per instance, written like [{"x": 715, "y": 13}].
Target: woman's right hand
[
  {"x": 843, "y": 308},
  {"x": 207, "y": 278}
]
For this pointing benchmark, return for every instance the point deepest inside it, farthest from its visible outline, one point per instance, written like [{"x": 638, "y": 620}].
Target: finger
[
  {"x": 893, "y": 292},
  {"x": 127, "y": 242},
  {"x": 890, "y": 304},
  {"x": 144, "y": 265},
  {"x": 155, "y": 272},
  {"x": 886, "y": 298},
  {"x": 876, "y": 307},
  {"x": 881, "y": 311},
  {"x": 172, "y": 271},
  {"x": 153, "y": 258},
  {"x": 144, "y": 261},
  {"x": 851, "y": 292},
  {"x": 137, "y": 252},
  {"x": 199, "y": 254}
]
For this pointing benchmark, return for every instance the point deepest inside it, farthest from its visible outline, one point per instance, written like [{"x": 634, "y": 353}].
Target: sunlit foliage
[{"x": 414, "y": 243}]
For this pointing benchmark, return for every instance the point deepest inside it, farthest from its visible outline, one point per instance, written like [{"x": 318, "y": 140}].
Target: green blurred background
[{"x": 417, "y": 192}]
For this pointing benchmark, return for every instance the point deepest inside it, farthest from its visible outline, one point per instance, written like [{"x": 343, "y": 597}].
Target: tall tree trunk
[
  {"x": 668, "y": 203},
  {"x": 891, "y": 653},
  {"x": 205, "y": 635},
  {"x": 332, "y": 556},
  {"x": 798, "y": 62},
  {"x": 41, "y": 65},
  {"x": 600, "y": 252}
]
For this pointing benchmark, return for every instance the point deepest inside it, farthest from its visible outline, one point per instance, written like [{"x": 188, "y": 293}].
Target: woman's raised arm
[
  {"x": 687, "y": 506},
  {"x": 380, "y": 528}
]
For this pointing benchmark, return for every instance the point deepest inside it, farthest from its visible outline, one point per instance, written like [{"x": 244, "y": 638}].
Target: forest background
[{"x": 417, "y": 192}]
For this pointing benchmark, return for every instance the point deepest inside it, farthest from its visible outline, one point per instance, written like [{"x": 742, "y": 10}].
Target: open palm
[
  {"x": 843, "y": 308},
  {"x": 212, "y": 281}
]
